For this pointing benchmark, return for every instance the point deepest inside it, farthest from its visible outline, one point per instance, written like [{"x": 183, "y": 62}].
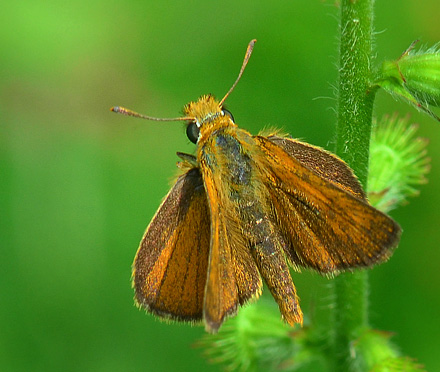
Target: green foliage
[
  {"x": 258, "y": 340},
  {"x": 254, "y": 339}
]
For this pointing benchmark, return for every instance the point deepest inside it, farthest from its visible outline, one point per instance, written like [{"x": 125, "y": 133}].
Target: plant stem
[
  {"x": 355, "y": 103},
  {"x": 355, "y": 108}
]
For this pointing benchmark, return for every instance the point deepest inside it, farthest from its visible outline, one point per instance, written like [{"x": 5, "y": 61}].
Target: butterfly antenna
[
  {"x": 125, "y": 111},
  {"x": 243, "y": 66}
]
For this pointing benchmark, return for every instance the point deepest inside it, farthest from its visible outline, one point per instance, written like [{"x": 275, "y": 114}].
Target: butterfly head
[{"x": 206, "y": 115}]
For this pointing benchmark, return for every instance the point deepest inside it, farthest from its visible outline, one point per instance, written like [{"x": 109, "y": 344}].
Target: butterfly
[{"x": 244, "y": 209}]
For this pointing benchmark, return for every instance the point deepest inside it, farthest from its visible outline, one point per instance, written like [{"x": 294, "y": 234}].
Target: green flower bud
[
  {"x": 254, "y": 339},
  {"x": 398, "y": 162},
  {"x": 421, "y": 73},
  {"x": 414, "y": 77},
  {"x": 376, "y": 353}
]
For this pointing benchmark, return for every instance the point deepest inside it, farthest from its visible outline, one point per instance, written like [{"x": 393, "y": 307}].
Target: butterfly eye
[
  {"x": 193, "y": 132},
  {"x": 228, "y": 113}
]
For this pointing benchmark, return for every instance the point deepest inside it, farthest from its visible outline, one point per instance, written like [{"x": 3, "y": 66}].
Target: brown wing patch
[
  {"x": 170, "y": 267},
  {"x": 328, "y": 227},
  {"x": 323, "y": 163}
]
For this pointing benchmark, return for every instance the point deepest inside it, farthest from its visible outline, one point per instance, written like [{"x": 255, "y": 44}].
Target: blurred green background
[{"x": 80, "y": 184}]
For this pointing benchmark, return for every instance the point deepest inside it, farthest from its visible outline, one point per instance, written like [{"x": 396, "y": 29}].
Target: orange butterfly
[{"x": 245, "y": 208}]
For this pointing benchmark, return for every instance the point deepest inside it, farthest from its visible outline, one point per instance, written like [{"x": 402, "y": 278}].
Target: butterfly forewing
[
  {"x": 169, "y": 270},
  {"x": 329, "y": 228},
  {"x": 323, "y": 163}
]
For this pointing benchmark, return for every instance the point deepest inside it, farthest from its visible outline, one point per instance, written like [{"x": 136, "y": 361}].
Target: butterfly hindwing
[{"x": 170, "y": 267}]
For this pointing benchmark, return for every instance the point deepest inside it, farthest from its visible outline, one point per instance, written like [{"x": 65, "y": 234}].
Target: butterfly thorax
[{"x": 227, "y": 161}]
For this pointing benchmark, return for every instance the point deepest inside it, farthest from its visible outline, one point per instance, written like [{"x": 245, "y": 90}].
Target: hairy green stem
[
  {"x": 355, "y": 101},
  {"x": 355, "y": 108}
]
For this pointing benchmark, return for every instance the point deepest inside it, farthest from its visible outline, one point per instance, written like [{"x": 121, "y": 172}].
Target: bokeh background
[{"x": 78, "y": 184}]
